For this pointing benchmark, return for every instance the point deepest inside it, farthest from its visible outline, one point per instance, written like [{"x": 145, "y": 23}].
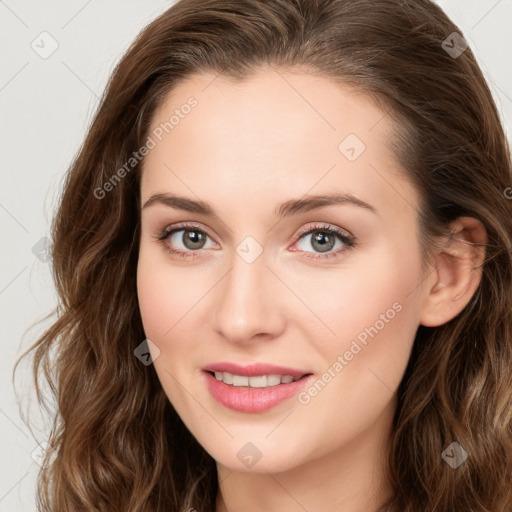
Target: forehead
[
  {"x": 275, "y": 132},
  {"x": 288, "y": 104}
]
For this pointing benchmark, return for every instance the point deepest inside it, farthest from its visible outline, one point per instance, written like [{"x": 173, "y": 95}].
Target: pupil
[
  {"x": 322, "y": 241},
  {"x": 325, "y": 240},
  {"x": 193, "y": 239}
]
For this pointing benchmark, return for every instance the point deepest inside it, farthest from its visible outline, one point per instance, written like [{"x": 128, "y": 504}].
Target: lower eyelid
[
  {"x": 338, "y": 236},
  {"x": 347, "y": 242},
  {"x": 178, "y": 230}
]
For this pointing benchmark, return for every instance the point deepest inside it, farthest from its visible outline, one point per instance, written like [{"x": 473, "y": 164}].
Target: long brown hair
[{"x": 118, "y": 443}]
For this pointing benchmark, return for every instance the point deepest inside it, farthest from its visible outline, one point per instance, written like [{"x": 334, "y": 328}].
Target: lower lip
[{"x": 247, "y": 399}]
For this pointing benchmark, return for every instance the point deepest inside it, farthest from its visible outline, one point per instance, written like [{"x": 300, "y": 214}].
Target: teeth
[
  {"x": 259, "y": 381},
  {"x": 240, "y": 380},
  {"x": 273, "y": 380}
]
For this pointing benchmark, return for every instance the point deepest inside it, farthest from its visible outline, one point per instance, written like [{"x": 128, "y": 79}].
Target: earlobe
[{"x": 458, "y": 272}]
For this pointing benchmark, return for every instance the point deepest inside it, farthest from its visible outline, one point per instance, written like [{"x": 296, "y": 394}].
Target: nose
[{"x": 248, "y": 303}]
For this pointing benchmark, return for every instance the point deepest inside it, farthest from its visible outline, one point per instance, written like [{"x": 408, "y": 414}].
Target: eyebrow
[{"x": 286, "y": 209}]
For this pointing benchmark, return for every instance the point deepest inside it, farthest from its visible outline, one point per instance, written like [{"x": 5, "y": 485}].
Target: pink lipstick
[{"x": 253, "y": 388}]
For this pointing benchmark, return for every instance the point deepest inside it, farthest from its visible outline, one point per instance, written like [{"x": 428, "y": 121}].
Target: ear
[{"x": 457, "y": 273}]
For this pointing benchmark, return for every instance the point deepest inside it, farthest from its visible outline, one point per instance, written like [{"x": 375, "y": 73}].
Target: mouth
[
  {"x": 254, "y": 393},
  {"x": 255, "y": 381}
]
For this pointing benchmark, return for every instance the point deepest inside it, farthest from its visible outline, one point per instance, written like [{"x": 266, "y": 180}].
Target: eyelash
[{"x": 348, "y": 240}]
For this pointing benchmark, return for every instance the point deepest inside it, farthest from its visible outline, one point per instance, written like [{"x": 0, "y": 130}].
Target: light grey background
[{"x": 46, "y": 106}]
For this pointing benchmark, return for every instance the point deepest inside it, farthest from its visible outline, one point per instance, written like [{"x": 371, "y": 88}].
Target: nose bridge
[{"x": 247, "y": 301}]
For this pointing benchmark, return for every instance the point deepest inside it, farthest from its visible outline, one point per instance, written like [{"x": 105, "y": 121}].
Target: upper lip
[{"x": 253, "y": 370}]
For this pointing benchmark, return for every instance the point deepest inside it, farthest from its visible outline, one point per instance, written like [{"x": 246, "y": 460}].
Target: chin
[{"x": 255, "y": 457}]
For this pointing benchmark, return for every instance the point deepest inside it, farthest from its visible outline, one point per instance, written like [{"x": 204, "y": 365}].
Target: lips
[
  {"x": 255, "y": 369},
  {"x": 253, "y": 399}
]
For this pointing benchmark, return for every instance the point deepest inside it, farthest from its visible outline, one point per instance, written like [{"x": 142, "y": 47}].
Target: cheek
[
  {"x": 369, "y": 317},
  {"x": 165, "y": 293},
  {"x": 154, "y": 303},
  {"x": 374, "y": 314},
  {"x": 164, "y": 301},
  {"x": 367, "y": 291}
]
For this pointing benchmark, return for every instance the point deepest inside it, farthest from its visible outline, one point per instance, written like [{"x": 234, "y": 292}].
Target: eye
[
  {"x": 184, "y": 240},
  {"x": 187, "y": 241},
  {"x": 323, "y": 239}
]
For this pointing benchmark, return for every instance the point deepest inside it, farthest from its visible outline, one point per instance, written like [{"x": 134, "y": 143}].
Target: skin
[{"x": 245, "y": 149}]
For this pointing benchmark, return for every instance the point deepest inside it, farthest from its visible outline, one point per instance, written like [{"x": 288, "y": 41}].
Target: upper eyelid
[
  {"x": 187, "y": 227},
  {"x": 327, "y": 227},
  {"x": 299, "y": 234}
]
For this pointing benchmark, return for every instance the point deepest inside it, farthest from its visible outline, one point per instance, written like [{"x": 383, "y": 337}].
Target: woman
[{"x": 283, "y": 256}]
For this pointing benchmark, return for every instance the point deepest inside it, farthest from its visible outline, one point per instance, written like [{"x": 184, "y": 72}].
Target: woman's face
[{"x": 254, "y": 283}]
